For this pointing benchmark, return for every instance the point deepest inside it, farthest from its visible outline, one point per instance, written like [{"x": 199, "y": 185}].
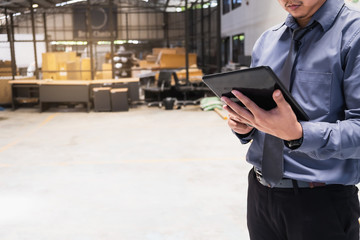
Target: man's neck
[{"x": 302, "y": 22}]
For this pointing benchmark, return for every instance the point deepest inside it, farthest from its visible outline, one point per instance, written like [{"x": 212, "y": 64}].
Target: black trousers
[{"x": 321, "y": 213}]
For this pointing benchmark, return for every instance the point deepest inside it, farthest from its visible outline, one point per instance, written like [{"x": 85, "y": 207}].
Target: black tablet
[{"x": 257, "y": 83}]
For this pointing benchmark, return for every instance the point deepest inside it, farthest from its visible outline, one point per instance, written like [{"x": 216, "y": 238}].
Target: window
[
  {"x": 238, "y": 47},
  {"x": 225, "y": 51},
  {"x": 236, "y": 3},
  {"x": 226, "y": 6}
]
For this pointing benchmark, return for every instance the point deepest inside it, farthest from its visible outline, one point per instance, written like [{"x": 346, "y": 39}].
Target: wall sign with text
[{"x": 100, "y": 23}]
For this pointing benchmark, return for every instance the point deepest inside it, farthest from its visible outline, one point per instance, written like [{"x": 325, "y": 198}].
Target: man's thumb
[{"x": 279, "y": 98}]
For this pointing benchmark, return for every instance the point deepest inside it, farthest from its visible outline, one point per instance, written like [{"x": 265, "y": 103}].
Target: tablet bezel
[{"x": 210, "y": 81}]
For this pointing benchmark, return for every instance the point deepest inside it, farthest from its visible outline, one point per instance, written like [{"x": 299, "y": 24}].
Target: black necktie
[{"x": 273, "y": 163}]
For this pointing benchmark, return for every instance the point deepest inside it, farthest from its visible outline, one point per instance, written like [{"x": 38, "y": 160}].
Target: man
[{"x": 315, "y": 197}]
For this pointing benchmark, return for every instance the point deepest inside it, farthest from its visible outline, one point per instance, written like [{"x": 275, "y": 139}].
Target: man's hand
[
  {"x": 236, "y": 122},
  {"x": 280, "y": 121}
]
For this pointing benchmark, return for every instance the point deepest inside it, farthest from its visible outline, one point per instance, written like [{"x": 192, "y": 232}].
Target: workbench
[
  {"x": 64, "y": 91},
  {"x": 24, "y": 91},
  {"x": 68, "y": 91}
]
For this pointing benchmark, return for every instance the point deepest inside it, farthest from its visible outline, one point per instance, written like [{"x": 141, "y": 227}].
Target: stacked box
[
  {"x": 5, "y": 91},
  {"x": 73, "y": 69},
  {"x": 54, "y": 64},
  {"x": 107, "y": 71},
  {"x": 86, "y": 69},
  {"x": 176, "y": 60}
]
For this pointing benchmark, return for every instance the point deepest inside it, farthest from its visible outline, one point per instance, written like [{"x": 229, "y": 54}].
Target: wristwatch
[{"x": 294, "y": 144}]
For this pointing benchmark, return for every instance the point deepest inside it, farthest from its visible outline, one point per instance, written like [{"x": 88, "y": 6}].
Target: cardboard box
[
  {"x": 5, "y": 63},
  {"x": 85, "y": 69},
  {"x": 62, "y": 71},
  {"x": 49, "y": 65},
  {"x": 5, "y": 71},
  {"x": 146, "y": 64},
  {"x": 107, "y": 71},
  {"x": 99, "y": 75},
  {"x": 151, "y": 58},
  {"x": 195, "y": 74},
  {"x": 74, "y": 69},
  {"x": 5, "y": 91},
  {"x": 176, "y": 60},
  {"x": 54, "y": 64},
  {"x": 176, "y": 50},
  {"x": 180, "y": 50}
]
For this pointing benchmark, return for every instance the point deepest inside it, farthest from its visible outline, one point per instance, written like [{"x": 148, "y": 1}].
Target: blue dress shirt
[{"x": 326, "y": 84}]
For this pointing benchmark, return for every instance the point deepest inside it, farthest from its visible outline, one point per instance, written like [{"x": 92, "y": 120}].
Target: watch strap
[{"x": 294, "y": 144}]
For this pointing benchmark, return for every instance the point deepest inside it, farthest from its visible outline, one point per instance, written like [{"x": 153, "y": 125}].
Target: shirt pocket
[{"x": 314, "y": 90}]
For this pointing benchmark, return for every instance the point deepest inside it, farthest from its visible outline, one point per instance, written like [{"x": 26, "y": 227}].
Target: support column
[
  {"x": 202, "y": 36},
  {"x": 45, "y": 33},
  {"x": 187, "y": 40},
  {"x": 111, "y": 8},
  {"x": 90, "y": 38},
  {"x": 10, "y": 35},
  {"x": 218, "y": 36},
  {"x": 209, "y": 35},
  {"x": 34, "y": 39},
  {"x": 166, "y": 29},
  {"x": 127, "y": 27}
]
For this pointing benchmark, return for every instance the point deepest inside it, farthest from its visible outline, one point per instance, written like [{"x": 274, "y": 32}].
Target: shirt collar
[{"x": 325, "y": 16}]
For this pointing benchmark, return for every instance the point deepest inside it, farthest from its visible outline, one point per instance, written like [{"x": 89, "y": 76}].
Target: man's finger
[
  {"x": 232, "y": 114},
  {"x": 239, "y": 127},
  {"x": 280, "y": 100},
  {"x": 237, "y": 109},
  {"x": 250, "y": 105},
  {"x": 235, "y": 117}
]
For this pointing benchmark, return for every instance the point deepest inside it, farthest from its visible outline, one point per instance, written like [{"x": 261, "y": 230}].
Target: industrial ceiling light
[
  {"x": 68, "y": 2},
  {"x": 68, "y": 43},
  {"x": 213, "y": 4}
]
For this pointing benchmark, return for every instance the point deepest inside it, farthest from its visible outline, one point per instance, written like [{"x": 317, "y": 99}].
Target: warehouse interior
[
  {"x": 115, "y": 43},
  {"x": 108, "y": 131}
]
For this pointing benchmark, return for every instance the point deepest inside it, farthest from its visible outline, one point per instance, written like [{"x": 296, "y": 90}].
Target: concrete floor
[{"x": 146, "y": 174}]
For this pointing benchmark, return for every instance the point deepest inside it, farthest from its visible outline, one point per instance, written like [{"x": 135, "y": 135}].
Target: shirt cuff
[
  {"x": 245, "y": 138},
  {"x": 312, "y": 137}
]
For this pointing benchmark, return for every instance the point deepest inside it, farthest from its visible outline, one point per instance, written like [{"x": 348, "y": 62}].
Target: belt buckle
[
  {"x": 257, "y": 174},
  {"x": 260, "y": 178}
]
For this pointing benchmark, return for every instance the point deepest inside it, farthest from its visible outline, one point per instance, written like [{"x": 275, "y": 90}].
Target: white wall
[
  {"x": 353, "y": 4},
  {"x": 252, "y": 20},
  {"x": 255, "y": 18}
]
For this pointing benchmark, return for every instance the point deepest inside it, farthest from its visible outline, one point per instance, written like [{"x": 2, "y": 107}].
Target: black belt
[{"x": 287, "y": 183}]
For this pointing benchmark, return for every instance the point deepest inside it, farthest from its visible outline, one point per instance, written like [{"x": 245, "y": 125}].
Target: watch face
[{"x": 295, "y": 143}]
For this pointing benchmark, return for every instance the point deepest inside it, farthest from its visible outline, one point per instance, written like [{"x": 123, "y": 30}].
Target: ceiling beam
[
  {"x": 44, "y": 3},
  {"x": 166, "y": 5}
]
